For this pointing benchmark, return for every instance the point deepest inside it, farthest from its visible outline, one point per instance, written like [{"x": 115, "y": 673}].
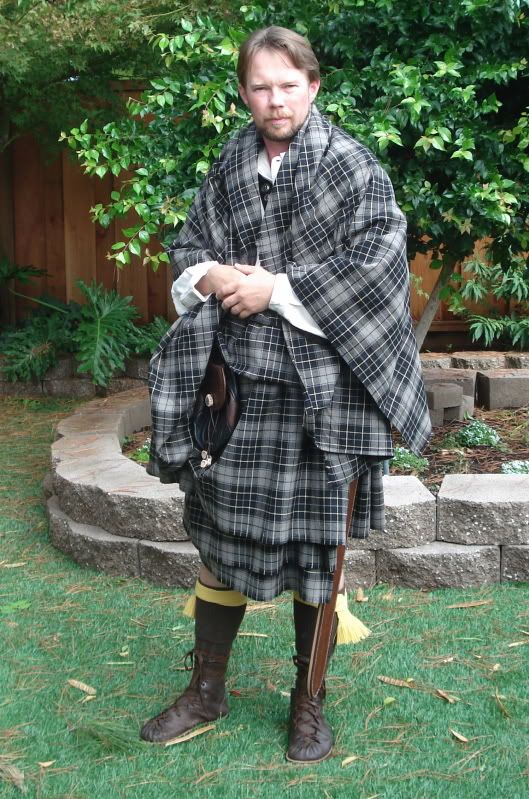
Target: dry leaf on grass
[
  {"x": 350, "y": 759},
  {"x": 82, "y": 686},
  {"x": 458, "y": 736},
  {"x": 518, "y": 643},
  {"x": 478, "y": 603},
  {"x": 189, "y": 735},
  {"x": 253, "y": 635},
  {"x": 46, "y": 764},
  {"x": 408, "y": 683},
  {"x": 14, "y": 775},
  {"x": 360, "y": 596},
  {"x": 446, "y": 696},
  {"x": 260, "y": 606},
  {"x": 498, "y": 697}
]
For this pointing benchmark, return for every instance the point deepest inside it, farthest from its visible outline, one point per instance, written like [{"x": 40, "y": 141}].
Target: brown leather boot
[
  {"x": 310, "y": 737},
  {"x": 203, "y": 700}
]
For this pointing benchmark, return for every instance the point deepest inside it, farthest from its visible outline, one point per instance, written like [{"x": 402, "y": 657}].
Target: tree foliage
[
  {"x": 437, "y": 90},
  {"x": 59, "y": 60}
]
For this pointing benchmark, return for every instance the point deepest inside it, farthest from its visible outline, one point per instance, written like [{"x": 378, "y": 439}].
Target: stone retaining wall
[{"x": 105, "y": 511}]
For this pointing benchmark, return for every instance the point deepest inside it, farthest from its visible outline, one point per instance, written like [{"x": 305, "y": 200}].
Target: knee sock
[
  {"x": 218, "y": 613},
  {"x": 305, "y": 616},
  {"x": 350, "y": 630}
]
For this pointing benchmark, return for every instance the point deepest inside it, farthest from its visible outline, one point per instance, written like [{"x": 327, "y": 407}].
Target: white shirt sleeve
[
  {"x": 185, "y": 295},
  {"x": 285, "y": 303}
]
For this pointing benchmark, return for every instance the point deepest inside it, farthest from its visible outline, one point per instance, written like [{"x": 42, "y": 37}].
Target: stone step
[
  {"x": 439, "y": 565},
  {"x": 503, "y": 388},
  {"x": 482, "y": 509},
  {"x": 92, "y": 546},
  {"x": 410, "y": 511},
  {"x": 96, "y": 484},
  {"x": 466, "y": 378},
  {"x": 515, "y": 563},
  {"x": 478, "y": 360}
]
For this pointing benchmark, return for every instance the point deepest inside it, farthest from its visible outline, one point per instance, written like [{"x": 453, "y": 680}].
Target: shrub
[
  {"x": 477, "y": 434},
  {"x": 406, "y": 460},
  {"x": 515, "y": 467}
]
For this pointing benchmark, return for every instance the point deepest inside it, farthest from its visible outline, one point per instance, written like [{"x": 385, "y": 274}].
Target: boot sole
[{"x": 309, "y": 762}]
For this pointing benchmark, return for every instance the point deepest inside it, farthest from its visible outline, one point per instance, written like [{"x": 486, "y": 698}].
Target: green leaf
[{"x": 135, "y": 247}]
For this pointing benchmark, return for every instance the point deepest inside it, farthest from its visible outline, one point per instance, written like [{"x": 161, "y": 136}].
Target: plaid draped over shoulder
[{"x": 333, "y": 225}]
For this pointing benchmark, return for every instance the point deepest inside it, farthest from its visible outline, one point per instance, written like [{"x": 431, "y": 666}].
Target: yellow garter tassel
[
  {"x": 350, "y": 629},
  {"x": 190, "y": 607}
]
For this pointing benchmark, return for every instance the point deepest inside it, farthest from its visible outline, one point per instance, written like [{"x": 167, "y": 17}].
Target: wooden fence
[{"x": 46, "y": 223}]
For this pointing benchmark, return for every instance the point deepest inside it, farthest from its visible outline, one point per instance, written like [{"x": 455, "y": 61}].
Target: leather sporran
[{"x": 216, "y": 410}]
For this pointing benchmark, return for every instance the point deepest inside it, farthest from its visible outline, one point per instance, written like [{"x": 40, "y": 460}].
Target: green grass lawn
[{"x": 453, "y": 723}]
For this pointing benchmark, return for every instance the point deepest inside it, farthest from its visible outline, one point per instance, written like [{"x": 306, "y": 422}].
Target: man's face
[{"x": 278, "y": 95}]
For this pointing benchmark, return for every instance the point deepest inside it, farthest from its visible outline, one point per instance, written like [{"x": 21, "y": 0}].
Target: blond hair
[{"x": 296, "y": 47}]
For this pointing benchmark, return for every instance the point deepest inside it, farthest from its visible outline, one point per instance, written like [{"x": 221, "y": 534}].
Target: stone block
[
  {"x": 454, "y": 414},
  {"x": 466, "y": 378},
  {"x": 478, "y": 360},
  {"x": 410, "y": 512},
  {"x": 517, "y": 360},
  {"x": 119, "y": 496},
  {"x": 467, "y": 405},
  {"x": 515, "y": 563},
  {"x": 116, "y": 385},
  {"x": 137, "y": 368},
  {"x": 169, "y": 564},
  {"x": 20, "y": 389},
  {"x": 47, "y": 485},
  {"x": 74, "y": 388},
  {"x": 442, "y": 395},
  {"x": 359, "y": 569},
  {"x": 63, "y": 369},
  {"x": 436, "y": 417},
  {"x": 435, "y": 360},
  {"x": 92, "y": 546},
  {"x": 503, "y": 388},
  {"x": 480, "y": 509},
  {"x": 439, "y": 565}
]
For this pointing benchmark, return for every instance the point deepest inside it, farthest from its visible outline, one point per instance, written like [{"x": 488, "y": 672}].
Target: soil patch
[{"x": 443, "y": 454}]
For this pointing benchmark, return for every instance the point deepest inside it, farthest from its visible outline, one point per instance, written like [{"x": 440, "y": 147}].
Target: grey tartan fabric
[
  {"x": 333, "y": 225},
  {"x": 270, "y": 483},
  {"x": 270, "y": 512}
]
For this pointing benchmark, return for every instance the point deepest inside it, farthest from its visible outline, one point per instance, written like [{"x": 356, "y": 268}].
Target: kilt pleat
[{"x": 265, "y": 517}]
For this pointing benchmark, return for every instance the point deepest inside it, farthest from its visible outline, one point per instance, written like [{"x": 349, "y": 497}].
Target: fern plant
[
  {"x": 146, "y": 338},
  {"x": 510, "y": 285},
  {"x": 29, "y": 352},
  {"x": 104, "y": 333}
]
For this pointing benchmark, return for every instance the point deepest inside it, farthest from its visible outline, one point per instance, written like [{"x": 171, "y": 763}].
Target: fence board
[
  {"x": 79, "y": 233},
  {"x": 29, "y": 225},
  {"x": 53, "y": 229},
  {"x": 106, "y": 272}
]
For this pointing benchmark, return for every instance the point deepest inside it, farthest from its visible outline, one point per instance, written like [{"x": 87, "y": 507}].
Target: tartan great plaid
[{"x": 269, "y": 514}]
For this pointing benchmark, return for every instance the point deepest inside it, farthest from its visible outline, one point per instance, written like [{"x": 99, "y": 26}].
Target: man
[{"x": 292, "y": 267}]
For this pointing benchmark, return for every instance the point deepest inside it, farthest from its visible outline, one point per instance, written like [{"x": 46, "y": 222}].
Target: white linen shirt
[{"x": 283, "y": 300}]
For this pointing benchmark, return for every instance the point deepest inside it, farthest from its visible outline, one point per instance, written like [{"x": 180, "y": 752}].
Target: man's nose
[{"x": 276, "y": 96}]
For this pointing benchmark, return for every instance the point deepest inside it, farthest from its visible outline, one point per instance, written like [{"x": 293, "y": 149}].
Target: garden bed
[{"x": 443, "y": 454}]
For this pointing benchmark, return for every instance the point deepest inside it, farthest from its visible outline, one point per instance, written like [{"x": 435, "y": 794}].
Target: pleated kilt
[{"x": 265, "y": 517}]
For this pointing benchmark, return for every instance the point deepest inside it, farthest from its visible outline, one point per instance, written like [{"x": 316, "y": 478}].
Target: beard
[{"x": 284, "y": 133}]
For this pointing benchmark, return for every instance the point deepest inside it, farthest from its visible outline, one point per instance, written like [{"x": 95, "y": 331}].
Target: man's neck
[{"x": 275, "y": 148}]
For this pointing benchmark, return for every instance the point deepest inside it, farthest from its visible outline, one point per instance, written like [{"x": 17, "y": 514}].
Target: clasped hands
[{"x": 242, "y": 289}]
